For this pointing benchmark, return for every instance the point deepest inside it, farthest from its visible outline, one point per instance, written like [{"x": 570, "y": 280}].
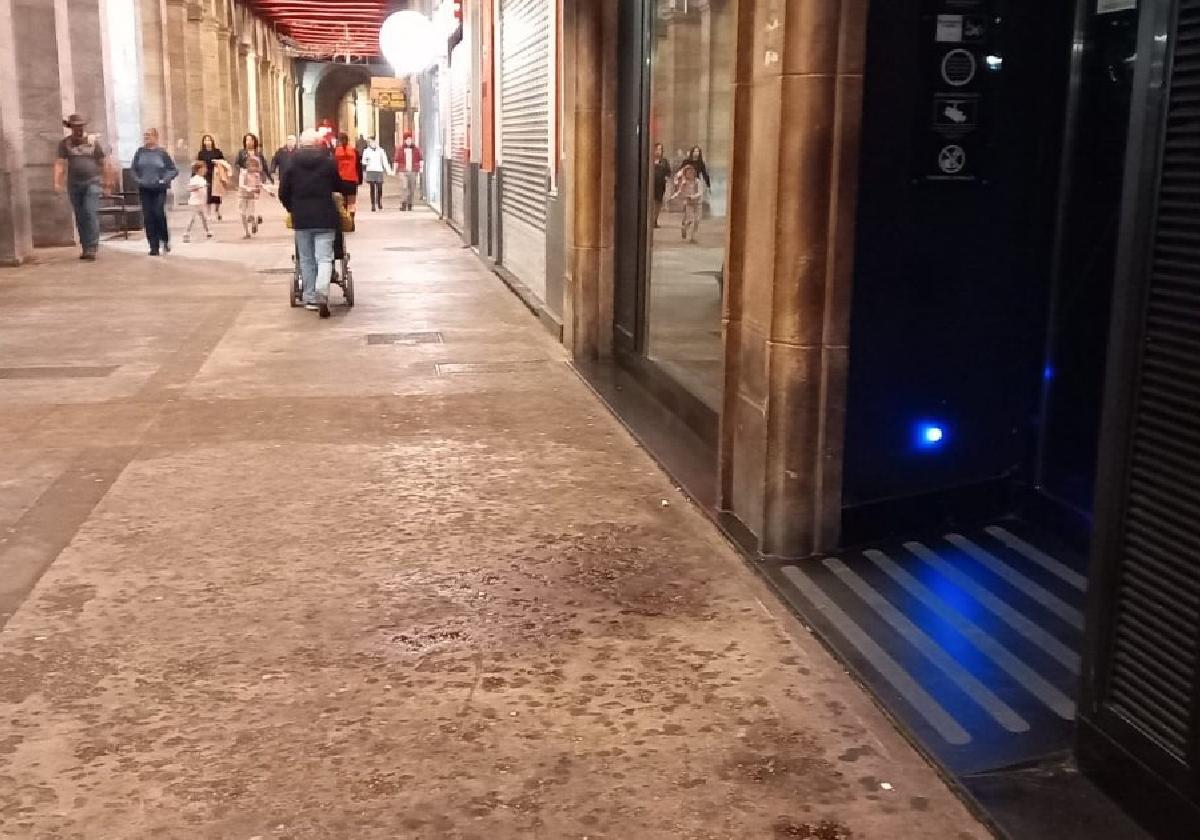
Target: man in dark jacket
[
  {"x": 307, "y": 193},
  {"x": 283, "y": 158}
]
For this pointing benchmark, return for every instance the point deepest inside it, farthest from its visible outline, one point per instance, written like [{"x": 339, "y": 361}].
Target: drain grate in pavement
[
  {"x": 278, "y": 271},
  {"x": 405, "y": 338},
  {"x": 490, "y": 367},
  {"x": 59, "y": 372}
]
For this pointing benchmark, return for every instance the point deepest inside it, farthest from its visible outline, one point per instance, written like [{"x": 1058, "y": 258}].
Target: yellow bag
[
  {"x": 346, "y": 216},
  {"x": 287, "y": 220}
]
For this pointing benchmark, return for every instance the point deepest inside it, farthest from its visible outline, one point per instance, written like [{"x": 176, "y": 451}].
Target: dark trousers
[
  {"x": 376, "y": 194},
  {"x": 154, "y": 217}
]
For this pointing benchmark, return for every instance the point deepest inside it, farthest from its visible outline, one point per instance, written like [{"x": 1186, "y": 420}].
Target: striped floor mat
[{"x": 971, "y": 639}]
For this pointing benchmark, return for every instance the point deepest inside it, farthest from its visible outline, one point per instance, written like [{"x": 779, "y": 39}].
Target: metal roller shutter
[
  {"x": 459, "y": 70},
  {"x": 525, "y": 56},
  {"x": 1151, "y": 677}
]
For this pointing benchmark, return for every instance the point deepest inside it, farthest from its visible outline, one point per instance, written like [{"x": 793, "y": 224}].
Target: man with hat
[{"x": 81, "y": 167}]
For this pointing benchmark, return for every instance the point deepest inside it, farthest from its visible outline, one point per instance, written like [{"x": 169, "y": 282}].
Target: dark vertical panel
[
  {"x": 953, "y": 277},
  {"x": 632, "y": 159},
  {"x": 1074, "y": 372},
  {"x": 1140, "y": 711}
]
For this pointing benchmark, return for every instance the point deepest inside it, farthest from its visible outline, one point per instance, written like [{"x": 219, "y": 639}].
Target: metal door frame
[{"x": 1160, "y": 791}]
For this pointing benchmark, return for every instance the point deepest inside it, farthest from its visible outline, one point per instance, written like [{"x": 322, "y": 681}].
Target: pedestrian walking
[
  {"x": 282, "y": 159},
  {"x": 83, "y": 170},
  {"x": 307, "y": 194},
  {"x": 696, "y": 159},
  {"x": 197, "y": 201},
  {"x": 154, "y": 170},
  {"x": 250, "y": 187},
  {"x": 691, "y": 189},
  {"x": 251, "y": 150},
  {"x": 375, "y": 165},
  {"x": 408, "y": 165},
  {"x": 210, "y": 154},
  {"x": 349, "y": 168},
  {"x": 661, "y": 168}
]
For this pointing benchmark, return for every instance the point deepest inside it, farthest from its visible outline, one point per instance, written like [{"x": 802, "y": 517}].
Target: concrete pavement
[{"x": 396, "y": 574}]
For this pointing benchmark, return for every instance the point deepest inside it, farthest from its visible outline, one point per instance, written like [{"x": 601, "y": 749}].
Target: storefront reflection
[{"x": 690, "y": 104}]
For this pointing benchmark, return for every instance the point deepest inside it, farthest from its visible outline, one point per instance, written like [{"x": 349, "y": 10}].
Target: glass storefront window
[{"x": 690, "y": 134}]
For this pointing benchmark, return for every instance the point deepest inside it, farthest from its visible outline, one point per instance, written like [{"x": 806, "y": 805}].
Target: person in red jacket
[
  {"x": 408, "y": 167},
  {"x": 349, "y": 167}
]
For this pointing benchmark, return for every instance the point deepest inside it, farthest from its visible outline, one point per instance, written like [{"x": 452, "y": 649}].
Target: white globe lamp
[{"x": 408, "y": 41}]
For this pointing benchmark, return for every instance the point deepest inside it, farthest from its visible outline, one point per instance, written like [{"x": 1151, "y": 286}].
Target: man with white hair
[{"x": 307, "y": 192}]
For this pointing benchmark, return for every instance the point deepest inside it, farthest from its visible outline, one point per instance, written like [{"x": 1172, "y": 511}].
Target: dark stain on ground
[{"x": 824, "y": 830}]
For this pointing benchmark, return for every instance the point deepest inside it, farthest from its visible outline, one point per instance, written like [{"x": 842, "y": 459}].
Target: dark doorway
[{"x": 991, "y": 186}]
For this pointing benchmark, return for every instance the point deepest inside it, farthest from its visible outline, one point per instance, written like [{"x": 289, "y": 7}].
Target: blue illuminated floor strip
[
  {"x": 1033, "y": 553},
  {"x": 1011, "y": 576},
  {"x": 1013, "y": 618},
  {"x": 1029, "y": 679},
  {"x": 964, "y": 679},
  {"x": 899, "y": 678}
]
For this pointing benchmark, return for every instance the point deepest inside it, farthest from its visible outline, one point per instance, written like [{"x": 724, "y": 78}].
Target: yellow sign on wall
[{"x": 389, "y": 93}]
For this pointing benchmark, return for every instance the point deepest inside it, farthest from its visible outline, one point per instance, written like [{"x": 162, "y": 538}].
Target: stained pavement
[{"x": 392, "y": 575}]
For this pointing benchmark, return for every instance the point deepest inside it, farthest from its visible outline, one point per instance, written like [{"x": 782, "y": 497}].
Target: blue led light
[{"x": 929, "y": 435}]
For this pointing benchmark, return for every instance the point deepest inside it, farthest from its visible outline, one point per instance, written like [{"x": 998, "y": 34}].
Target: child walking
[
  {"x": 690, "y": 188},
  {"x": 250, "y": 186},
  {"x": 197, "y": 200}
]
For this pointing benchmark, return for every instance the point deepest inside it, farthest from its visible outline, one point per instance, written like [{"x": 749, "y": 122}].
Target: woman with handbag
[{"x": 213, "y": 159}]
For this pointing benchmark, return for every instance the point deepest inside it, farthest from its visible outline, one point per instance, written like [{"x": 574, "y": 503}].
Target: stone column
[
  {"x": 591, "y": 41},
  {"x": 16, "y": 237},
  {"x": 195, "y": 46},
  {"x": 156, "y": 71},
  {"x": 230, "y": 126},
  {"x": 238, "y": 82},
  {"x": 45, "y": 89},
  {"x": 210, "y": 80},
  {"x": 252, "y": 93},
  {"x": 266, "y": 98},
  {"x": 183, "y": 139},
  {"x": 92, "y": 87},
  {"x": 798, "y": 101}
]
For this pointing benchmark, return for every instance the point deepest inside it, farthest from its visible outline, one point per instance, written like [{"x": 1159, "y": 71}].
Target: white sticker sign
[
  {"x": 949, "y": 29},
  {"x": 1107, "y": 7}
]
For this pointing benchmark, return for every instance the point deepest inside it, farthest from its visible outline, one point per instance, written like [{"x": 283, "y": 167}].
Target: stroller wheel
[
  {"x": 348, "y": 285},
  {"x": 295, "y": 292}
]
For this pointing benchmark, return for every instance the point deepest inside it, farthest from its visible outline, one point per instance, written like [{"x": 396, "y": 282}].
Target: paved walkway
[{"x": 392, "y": 575}]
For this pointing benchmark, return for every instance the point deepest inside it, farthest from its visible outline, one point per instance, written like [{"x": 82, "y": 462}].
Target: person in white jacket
[{"x": 375, "y": 165}]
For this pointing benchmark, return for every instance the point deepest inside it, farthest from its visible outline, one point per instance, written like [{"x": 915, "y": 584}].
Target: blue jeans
[
  {"x": 85, "y": 201},
  {"x": 315, "y": 251},
  {"x": 154, "y": 217}
]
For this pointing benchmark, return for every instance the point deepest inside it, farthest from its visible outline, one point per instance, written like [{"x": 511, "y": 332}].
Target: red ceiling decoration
[{"x": 329, "y": 28}]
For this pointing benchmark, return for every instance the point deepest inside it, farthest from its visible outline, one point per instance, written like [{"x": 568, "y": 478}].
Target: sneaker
[
  {"x": 90, "y": 256},
  {"x": 246, "y": 236},
  {"x": 323, "y": 309},
  {"x": 311, "y": 307},
  {"x": 154, "y": 254}
]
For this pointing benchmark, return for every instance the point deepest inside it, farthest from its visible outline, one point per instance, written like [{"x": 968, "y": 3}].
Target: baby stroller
[{"x": 342, "y": 276}]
